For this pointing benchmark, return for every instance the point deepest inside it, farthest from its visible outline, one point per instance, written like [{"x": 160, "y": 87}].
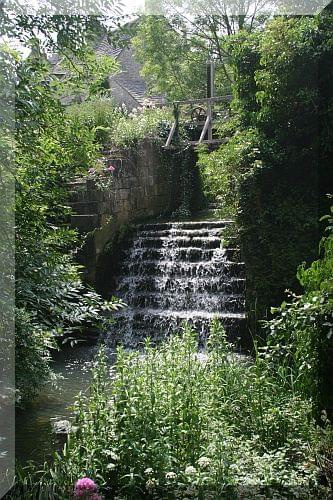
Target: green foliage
[
  {"x": 301, "y": 333},
  {"x": 184, "y": 182},
  {"x": 115, "y": 126},
  {"x": 174, "y": 423},
  {"x": 275, "y": 167},
  {"x": 175, "y": 45},
  {"x": 223, "y": 169},
  {"x": 50, "y": 297},
  {"x": 170, "y": 65},
  {"x": 44, "y": 29},
  {"x": 140, "y": 124},
  {"x": 98, "y": 115},
  {"x": 87, "y": 76}
]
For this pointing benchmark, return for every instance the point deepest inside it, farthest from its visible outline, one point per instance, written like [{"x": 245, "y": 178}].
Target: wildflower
[
  {"x": 171, "y": 475},
  {"x": 149, "y": 471},
  {"x": 204, "y": 462},
  {"x": 111, "y": 168},
  {"x": 86, "y": 488},
  {"x": 190, "y": 471},
  {"x": 191, "y": 492},
  {"x": 151, "y": 484},
  {"x": 91, "y": 171}
]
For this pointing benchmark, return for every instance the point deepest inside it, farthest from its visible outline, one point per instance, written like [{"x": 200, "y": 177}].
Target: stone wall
[{"x": 139, "y": 190}]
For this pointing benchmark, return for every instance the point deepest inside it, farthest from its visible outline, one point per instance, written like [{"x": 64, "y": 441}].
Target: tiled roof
[
  {"x": 129, "y": 79},
  {"x": 103, "y": 47}
]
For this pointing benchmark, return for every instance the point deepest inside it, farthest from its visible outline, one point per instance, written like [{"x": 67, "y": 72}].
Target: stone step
[
  {"x": 85, "y": 223},
  {"x": 86, "y": 196},
  {"x": 178, "y": 232},
  {"x": 188, "y": 269},
  {"x": 134, "y": 327},
  {"x": 182, "y": 315},
  {"x": 85, "y": 208},
  {"x": 189, "y": 254},
  {"x": 178, "y": 241},
  {"x": 162, "y": 226},
  {"x": 218, "y": 303},
  {"x": 181, "y": 284}
]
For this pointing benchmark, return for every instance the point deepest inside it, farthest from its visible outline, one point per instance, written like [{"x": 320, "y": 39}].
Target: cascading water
[{"x": 174, "y": 272}]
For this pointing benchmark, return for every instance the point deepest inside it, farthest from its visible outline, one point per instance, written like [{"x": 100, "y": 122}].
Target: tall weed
[{"x": 174, "y": 423}]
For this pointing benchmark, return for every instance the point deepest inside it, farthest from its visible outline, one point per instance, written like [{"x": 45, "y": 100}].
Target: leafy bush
[
  {"x": 99, "y": 115},
  {"x": 301, "y": 333},
  {"x": 51, "y": 300},
  {"x": 140, "y": 124},
  {"x": 223, "y": 170},
  {"x": 116, "y": 126},
  {"x": 174, "y": 423},
  {"x": 273, "y": 171}
]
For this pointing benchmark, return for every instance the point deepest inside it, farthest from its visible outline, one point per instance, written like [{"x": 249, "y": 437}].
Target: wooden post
[
  {"x": 210, "y": 79},
  {"x": 175, "y": 125},
  {"x": 204, "y": 130},
  {"x": 210, "y": 126},
  {"x": 172, "y": 131}
]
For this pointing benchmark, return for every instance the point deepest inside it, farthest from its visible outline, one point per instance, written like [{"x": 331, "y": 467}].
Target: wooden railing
[{"x": 202, "y": 113}]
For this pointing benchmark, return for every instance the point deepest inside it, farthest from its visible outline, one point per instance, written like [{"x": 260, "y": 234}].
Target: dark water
[{"x": 34, "y": 437}]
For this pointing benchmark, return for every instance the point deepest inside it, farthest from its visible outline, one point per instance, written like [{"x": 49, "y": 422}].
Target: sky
[{"x": 128, "y": 7}]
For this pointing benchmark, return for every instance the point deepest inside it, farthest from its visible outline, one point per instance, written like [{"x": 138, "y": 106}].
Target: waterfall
[{"x": 173, "y": 272}]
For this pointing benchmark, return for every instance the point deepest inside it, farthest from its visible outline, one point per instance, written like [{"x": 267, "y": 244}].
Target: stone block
[{"x": 85, "y": 223}]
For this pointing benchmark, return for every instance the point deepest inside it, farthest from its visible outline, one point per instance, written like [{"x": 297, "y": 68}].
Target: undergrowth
[
  {"x": 117, "y": 126},
  {"x": 172, "y": 423}
]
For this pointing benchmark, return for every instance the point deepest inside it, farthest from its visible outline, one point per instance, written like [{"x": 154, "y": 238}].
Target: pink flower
[
  {"x": 111, "y": 168},
  {"x": 86, "y": 488},
  {"x": 91, "y": 170}
]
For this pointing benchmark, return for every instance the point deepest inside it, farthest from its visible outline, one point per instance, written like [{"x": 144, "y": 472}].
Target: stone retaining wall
[{"x": 140, "y": 190}]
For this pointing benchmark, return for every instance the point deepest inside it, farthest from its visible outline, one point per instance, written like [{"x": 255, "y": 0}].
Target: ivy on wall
[{"x": 269, "y": 175}]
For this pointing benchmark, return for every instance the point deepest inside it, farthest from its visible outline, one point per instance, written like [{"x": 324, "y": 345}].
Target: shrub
[
  {"x": 99, "y": 115},
  {"x": 51, "y": 299},
  {"x": 140, "y": 124},
  {"x": 301, "y": 333},
  {"x": 116, "y": 126},
  {"x": 224, "y": 169},
  {"x": 175, "y": 423}
]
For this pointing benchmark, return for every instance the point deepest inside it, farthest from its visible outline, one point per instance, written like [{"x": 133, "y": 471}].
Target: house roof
[
  {"x": 128, "y": 79},
  {"x": 133, "y": 84},
  {"x": 103, "y": 47}
]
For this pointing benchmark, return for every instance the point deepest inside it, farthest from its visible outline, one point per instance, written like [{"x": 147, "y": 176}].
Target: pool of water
[{"x": 34, "y": 437}]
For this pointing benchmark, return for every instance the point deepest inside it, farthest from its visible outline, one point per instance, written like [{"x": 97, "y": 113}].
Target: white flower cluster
[
  {"x": 151, "y": 484},
  {"x": 204, "y": 462},
  {"x": 190, "y": 471},
  {"x": 170, "y": 476}
]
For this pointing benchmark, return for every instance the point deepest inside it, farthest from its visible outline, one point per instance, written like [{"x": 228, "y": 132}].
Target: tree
[
  {"x": 175, "y": 46},
  {"x": 170, "y": 65},
  {"x": 51, "y": 299},
  {"x": 274, "y": 169}
]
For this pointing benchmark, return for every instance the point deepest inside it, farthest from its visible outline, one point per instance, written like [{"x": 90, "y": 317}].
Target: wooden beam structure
[{"x": 202, "y": 114}]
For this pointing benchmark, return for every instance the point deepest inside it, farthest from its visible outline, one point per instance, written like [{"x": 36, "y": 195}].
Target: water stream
[
  {"x": 35, "y": 439},
  {"x": 173, "y": 272},
  {"x": 170, "y": 272}
]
